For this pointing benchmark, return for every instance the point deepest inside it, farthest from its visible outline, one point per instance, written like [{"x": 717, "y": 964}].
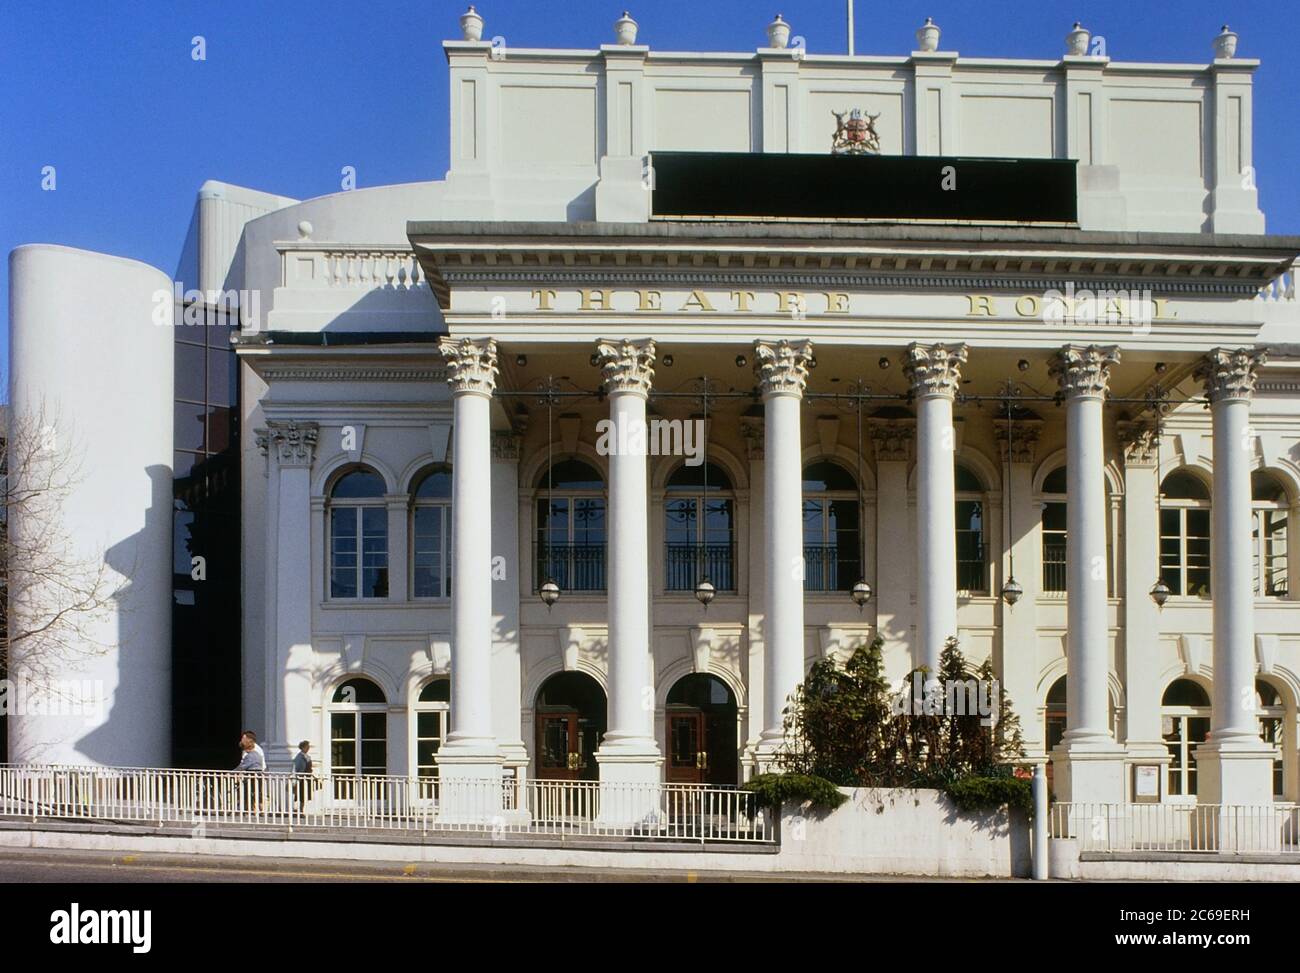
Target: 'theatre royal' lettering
[{"x": 1095, "y": 306}]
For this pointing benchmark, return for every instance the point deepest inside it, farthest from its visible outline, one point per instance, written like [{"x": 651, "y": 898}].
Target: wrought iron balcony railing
[
  {"x": 686, "y": 564},
  {"x": 829, "y": 567},
  {"x": 574, "y": 567}
]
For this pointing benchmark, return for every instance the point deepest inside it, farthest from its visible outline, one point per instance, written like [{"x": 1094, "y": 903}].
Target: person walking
[
  {"x": 302, "y": 769},
  {"x": 252, "y": 760}
]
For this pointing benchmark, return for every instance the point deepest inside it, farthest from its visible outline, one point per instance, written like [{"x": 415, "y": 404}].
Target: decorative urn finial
[
  {"x": 471, "y": 25},
  {"x": 1076, "y": 41},
  {"x": 778, "y": 33},
  {"x": 927, "y": 36},
  {"x": 1225, "y": 44},
  {"x": 625, "y": 29}
]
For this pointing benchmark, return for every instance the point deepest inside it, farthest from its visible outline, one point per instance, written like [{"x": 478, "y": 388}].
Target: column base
[
  {"x": 1089, "y": 770},
  {"x": 514, "y": 755},
  {"x": 767, "y": 753},
  {"x": 469, "y": 783},
  {"x": 1237, "y": 770},
  {"x": 630, "y": 788}
]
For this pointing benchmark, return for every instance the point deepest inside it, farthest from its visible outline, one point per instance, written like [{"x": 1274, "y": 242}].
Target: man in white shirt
[{"x": 253, "y": 758}]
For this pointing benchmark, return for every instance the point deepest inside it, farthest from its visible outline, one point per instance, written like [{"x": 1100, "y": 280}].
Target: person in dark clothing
[{"x": 302, "y": 768}]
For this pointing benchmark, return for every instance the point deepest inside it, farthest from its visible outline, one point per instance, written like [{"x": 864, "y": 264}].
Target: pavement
[{"x": 44, "y": 865}]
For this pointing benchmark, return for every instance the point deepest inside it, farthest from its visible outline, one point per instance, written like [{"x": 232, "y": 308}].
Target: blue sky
[{"x": 293, "y": 90}]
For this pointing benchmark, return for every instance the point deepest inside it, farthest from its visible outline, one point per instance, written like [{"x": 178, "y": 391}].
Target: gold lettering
[
  {"x": 599, "y": 296},
  {"x": 742, "y": 299},
  {"x": 650, "y": 301},
  {"x": 980, "y": 304},
  {"x": 788, "y": 301},
  {"x": 698, "y": 301},
  {"x": 1162, "y": 308},
  {"x": 544, "y": 298},
  {"x": 837, "y": 302},
  {"x": 1029, "y": 306}
]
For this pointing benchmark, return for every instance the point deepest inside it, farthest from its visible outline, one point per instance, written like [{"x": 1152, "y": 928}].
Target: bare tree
[{"x": 54, "y": 595}]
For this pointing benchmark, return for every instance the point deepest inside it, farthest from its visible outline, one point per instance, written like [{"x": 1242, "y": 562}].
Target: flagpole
[{"x": 850, "y": 28}]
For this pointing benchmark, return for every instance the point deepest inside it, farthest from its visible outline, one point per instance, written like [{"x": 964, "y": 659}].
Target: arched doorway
[
  {"x": 701, "y": 729},
  {"x": 570, "y": 723},
  {"x": 1184, "y": 723}
]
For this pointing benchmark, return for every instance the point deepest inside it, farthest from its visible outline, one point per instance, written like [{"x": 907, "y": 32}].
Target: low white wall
[
  {"x": 1067, "y": 863},
  {"x": 905, "y": 832}
]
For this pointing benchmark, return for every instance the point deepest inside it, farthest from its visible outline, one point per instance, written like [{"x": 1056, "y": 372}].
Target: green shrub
[
  {"x": 844, "y": 724},
  {"x": 773, "y": 790},
  {"x": 980, "y": 794}
]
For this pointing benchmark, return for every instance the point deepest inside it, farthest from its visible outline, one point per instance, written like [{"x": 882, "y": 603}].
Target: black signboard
[{"x": 741, "y": 185}]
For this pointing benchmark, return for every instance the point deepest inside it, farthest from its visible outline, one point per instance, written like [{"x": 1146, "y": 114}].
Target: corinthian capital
[
  {"x": 1229, "y": 373},
  {"x": 471, "y": 364},
  {"x": 294, "y": 441},
  {"x": 782, "y": 366},
  {"x": 627, "y": 365},
  {"x": 1083, "y": 371},
  {"x": 934, "y": 369}
]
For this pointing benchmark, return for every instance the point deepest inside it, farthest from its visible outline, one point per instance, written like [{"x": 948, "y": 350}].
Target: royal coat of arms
[{"x": 856, "y": 134}]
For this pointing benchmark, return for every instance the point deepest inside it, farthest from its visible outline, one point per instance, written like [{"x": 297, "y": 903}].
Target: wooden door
[
  {"x": 559, "y": 756},
  {"x": 687, "y": 746}
]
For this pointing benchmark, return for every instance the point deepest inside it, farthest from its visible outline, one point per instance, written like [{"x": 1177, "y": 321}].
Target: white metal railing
[
  {"x": 420, "y": 805},
  {"x": 1238, "y": 828}
]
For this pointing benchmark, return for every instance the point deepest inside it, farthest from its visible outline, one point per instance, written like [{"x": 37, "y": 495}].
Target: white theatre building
[{"x": 645, "y": 236}]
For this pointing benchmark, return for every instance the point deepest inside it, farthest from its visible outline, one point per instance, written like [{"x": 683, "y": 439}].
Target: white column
[
  {"x": 1234, "y": 765},
  {"x": 629, "y": 753},
  {"x": 782, "y": 369},
  {"x": 470, "y": 750},
  {"x": 1090, "y": 765},
  {"x": 507, "y": 674},
  {"x": 935, "y": 373},
  {"x": 293, "y": 444}
]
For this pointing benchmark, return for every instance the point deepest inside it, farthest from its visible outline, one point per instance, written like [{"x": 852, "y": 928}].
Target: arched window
[
  {"x": 358, "y": 715},
  {"x": 699, "y": 529},
  {"x": 1272, "y": 730},
  {"x": 1184, "y": 723},
  {"x": 570, "y": 545},
  {"x": 1054, "y": 715},
  {"x": 358, "y": 536},
  {"x": 972, "y": 557},
  {"x": 431, "y": 535},
  {"x": 1269, "y": 507},
  {"x": 1054, "y": 512},
  {"x": 832, "y": 542},
  {"x": 432, "y": 712},
  {"x": 1185, "y": 534}
]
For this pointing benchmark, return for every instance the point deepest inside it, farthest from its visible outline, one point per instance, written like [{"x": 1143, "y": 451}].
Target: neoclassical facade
[{"x": 1074, "y": 446}]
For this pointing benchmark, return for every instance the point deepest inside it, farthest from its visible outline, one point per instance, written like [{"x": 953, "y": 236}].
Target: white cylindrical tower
[{"x": 90, "y": 392}]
